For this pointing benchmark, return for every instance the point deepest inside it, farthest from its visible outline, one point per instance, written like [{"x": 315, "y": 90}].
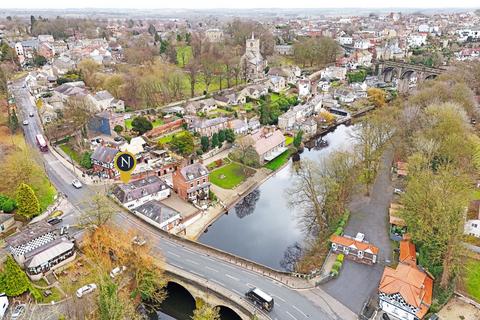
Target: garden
[
  {"x": 470, "y": 278},
  {"x": 279, "y": 161},
  {"x": 230, "y": 175}
]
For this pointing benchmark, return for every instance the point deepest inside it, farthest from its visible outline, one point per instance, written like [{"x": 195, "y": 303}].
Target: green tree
[
  {"x": 215, "y": 142},
  {"x": 204, "y": 311},
  {"x": 297, "y": 140},
  {"x": 183, "y": 143},
  {"x": 13, "y": 281},
  {"x": 27, "y": 201},
  {"x": 7, "y": 204},
  {"x": 39, "y": 60},
  {"x": 13, "y": 121},
  {"x": 204, "y": 141},
  {"x": 141, "y": 125},
  {"x": 152, "y": 30},
  {"x": 221, "y": 136},
  {"x": 229, "y": 135},
  {"x": 118, "y": 129},
  {"x": 86, "y": 160},
  {"x": 110, "y": 304}
]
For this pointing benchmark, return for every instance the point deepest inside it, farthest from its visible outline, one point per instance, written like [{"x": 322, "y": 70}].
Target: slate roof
[
  {"x": 104, "y": 154},
  {"x": 32, "y": 231},
  {"x": 157, "y": 211},
  {"x": 103, "y": 95},
  {"x": 194, "y": 171},
  {"x": 47, "y": 252},
  {"x": 138, "y": 189}
]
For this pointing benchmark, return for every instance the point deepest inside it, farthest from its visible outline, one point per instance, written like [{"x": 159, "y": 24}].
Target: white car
[
  {"x": 18, "y": 312},
  {"x": 25, "y": 122},
  {"x": 31, "y": 114},
  {"x": 86, "y": 289},
  {"x": 76, "y": 183},
  {"x": 116, "y": 271},
  {"x": 397, "y": 191}
]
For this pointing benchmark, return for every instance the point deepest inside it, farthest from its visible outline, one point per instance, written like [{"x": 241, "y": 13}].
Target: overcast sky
[{"x": 208, "y": 4}]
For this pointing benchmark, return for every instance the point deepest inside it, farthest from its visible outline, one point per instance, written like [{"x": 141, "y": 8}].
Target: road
[{"x": 289, "y": 304}]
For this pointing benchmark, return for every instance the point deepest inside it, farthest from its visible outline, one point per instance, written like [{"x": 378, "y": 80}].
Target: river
[{"x": 262, "y": 226}]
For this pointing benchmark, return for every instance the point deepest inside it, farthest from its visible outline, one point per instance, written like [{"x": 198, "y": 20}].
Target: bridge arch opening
[
  {"x": 227, "y": 313},
  {"x": 430, "y": 77},
  {"x": 389, "y": 73},
  {"x": 179, "y": 302}
]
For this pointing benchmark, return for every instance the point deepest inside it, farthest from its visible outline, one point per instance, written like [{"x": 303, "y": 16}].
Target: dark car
[
  {"x": 385, "y": 316},
  {"x": 54, "y": 221}
]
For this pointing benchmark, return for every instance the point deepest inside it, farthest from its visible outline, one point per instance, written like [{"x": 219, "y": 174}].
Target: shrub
[
  {"x": 37, "y": 296},
  {"x": 337, "y": 265},
  {"x": 334, "y": 273},
  {"x": 7, "y": 204},
  {"x": 340, "y": 258},
  {"x": 338, "y": 231}
]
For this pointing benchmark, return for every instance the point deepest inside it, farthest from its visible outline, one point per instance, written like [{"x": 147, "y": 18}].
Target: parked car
[
  {"x": 54, "y": 221},
  {"x": 116, "y": 271},
  {"x": 3, "y": 305},
  {"x": 86, "y": 289},
  {"x": 397, "y": 191},
  {"x": 25, "y": 122},
  {"x": 139, "y": 241},
  {"x": 385, "y": 316},
  {"x": 18, "y": 312},
  {"x": 76, "y": 183},
  {"x": 31, "y": 114}
]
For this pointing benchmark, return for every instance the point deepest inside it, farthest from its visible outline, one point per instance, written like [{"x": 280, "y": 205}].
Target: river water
[{"x": 262, "y": 226}]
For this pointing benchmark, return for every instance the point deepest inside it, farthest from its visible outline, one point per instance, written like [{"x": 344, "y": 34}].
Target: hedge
[{"x": 340, "y": 257}]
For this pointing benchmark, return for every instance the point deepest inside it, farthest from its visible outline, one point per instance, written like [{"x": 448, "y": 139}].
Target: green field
[
  {"x": 155, "y": 123},
  {"x": 70, "y": 152},
  {"x": 166, "y": 139},
  {"x": 279, "y": 161},
  {"x": 230, "y": 176},
  {"x": 471, "y": 278}
]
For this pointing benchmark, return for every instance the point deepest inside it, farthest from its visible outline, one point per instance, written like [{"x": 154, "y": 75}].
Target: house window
[
  {"x": 345, "y": 250},
  {"x": 191, "y": 185},
  {"x": 360, "y": 254},
  {"x": 474, "y": 225},
  {"x": 334, "y": 246}
]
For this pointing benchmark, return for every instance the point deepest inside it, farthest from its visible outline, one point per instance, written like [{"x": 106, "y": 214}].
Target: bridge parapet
[{"x": 214, "y": 294}]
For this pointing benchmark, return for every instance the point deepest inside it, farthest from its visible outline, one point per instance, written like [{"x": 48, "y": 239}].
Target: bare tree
[
  {"x": 100, "y": 212},
  {"x": 192, "y": 69}
]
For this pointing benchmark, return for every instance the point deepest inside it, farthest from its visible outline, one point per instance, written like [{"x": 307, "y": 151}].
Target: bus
[
  {"x": 258, "y": 297},
  {"x": 41, "y": 142}
]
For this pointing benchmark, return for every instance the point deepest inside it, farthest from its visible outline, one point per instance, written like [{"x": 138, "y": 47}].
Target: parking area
[{"x": 369, "y": 215}]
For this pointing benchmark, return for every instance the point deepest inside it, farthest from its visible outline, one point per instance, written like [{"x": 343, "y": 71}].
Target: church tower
[{"x": 253, "y": 46}]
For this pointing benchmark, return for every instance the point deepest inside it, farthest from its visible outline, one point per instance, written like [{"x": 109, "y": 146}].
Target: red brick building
[{"x": 191, "y": 182}]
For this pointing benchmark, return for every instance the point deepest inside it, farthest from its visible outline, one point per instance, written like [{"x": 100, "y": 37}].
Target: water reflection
[
  {"x": 247, "y": 205},
  {"x": 263, "y": 227}
]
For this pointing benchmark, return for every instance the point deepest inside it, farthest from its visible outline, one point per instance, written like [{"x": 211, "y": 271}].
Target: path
[{"x": 369, "y": 216}]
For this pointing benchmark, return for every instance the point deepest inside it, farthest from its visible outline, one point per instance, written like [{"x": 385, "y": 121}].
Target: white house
[
  {"x": 238, "y": 126},
  {"x": 204, "y": 106},
  {"x": 276, "y": 84},
  {"x": 139, "y": 192},
  {"x": 304, "y": 88},
  {"x": 472, "y": 226},
  {"x": 416, "y": 40}
]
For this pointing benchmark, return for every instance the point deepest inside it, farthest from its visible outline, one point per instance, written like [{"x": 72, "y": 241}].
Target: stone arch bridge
[{"x": 405, "y": 74}]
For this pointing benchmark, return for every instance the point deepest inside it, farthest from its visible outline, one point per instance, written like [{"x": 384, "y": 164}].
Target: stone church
[{"x": 252, "y": 61}]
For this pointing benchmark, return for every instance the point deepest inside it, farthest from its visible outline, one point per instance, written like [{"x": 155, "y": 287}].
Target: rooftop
[
  {"x": 32, "y": 231},
  {"x": 157, "y": 211},
  {"x": 194, "y": 171}
]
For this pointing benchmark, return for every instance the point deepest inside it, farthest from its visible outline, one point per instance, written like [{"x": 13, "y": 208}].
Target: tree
[
  {"x": 192, "y": 69},
  {"x": 141, "y": 125},
  {"x": 434, "y": 207},
  {"x": 204, "y": 141},
  {"x": 12, "y": 121},
  {"x": 98, "y": 214},
  {"x": 183, "y": 143},
  {"x": 215, "y": 142},
  {"x": 118, "y": 129},
  {"x": 111, "y": 306},
  {"x": 297, "y": 140},
  {"x": 152, "y": 30},
  {"x": 28, "y": 205},
  {"x": 7, "y": 204},
  {"x": 221, "y": 136},
  {"x": 86, "y": 160},
  {"x": 229, "y": 135},
  {"x": 204, "y": 311},
  {"x": 13, "y": 281},
  {"x": 39, "y": 60},
  {"x": 376, "y": 97},
  {"x": 245, "y": 152}
]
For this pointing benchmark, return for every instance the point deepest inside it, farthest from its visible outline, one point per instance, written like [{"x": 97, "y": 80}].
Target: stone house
[{"x": 139, "y": 192}]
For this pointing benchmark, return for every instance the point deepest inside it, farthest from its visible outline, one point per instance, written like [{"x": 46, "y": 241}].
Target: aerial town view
[{"x": 215, "y": 160}]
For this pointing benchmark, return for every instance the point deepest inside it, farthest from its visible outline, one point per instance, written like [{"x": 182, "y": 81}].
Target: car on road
[
  {"x": 54, "y": 221},
  {"x": 260, "y": 298},
  {"x": 138, "y": 241},
  {"x": 76, "y": 183},
  {"x": 31, "y": 114},
  {"x": 25, "y": 122},
  {"x": 18, "y": 312},
  {"x": 116, "y": 271},
  {"x": 86, "y": 289}
]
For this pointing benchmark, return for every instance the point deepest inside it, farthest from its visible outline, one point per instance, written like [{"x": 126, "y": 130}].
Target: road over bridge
[{"x": 233, "y": 274}]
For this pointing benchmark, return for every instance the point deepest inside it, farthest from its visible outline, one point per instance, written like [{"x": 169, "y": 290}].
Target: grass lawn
[
  {"x": 274, "y": 96},
  {"x": 70, "y": 152},
  {"x": 230, "y": 176},
  {"x": 288, "y": 140},
  {"x": 166, "y": 139},
  {"x": 279, "y": 161},
  {"x": 219, "y": 112},
  {"x": 155, "y": 123},
  {"x": 471, "y": 278}
]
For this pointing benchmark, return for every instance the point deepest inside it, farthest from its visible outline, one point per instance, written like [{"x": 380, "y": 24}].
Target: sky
[{"x": 209, "y": 4}]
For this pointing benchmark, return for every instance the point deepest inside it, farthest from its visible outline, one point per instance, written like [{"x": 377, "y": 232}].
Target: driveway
[{"x": 369, "y": 215}]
